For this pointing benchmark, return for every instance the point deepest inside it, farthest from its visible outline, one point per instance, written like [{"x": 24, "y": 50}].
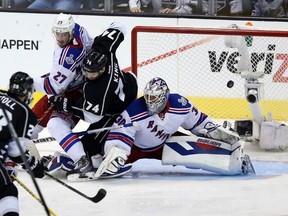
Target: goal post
[{"x": 198, "y": 63}]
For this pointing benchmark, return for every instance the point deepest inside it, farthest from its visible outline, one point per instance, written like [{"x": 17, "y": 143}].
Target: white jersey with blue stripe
[
  {"x": 150, "y": 132},
  {"x": 66, "y": 72}
]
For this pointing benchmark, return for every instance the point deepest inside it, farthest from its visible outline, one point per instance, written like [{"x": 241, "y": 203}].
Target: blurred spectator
[
  {"x": 57, "y": 4},
  {"x": 270, "y": 8},
  {"x": 224, "y": 7},
  {"x": 100, "y": 5},
  {"x": 136, "y": 6},
  {"x": 93, "y": 4},
  {"x": 187, "y": 7},
  {"x": 241, "y": 7},
  {"x": 21, "y": 3}
]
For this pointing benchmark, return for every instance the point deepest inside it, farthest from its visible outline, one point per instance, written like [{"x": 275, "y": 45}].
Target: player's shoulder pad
[
  {"x": 20, "y": 109},
  {"x": 71, "y": 55},
  {"x": 178, "y": 101},
  {"x": 27, "y": 113},
  {"x": 137, "y": 109},
  {"x": 77, "y": 30}
]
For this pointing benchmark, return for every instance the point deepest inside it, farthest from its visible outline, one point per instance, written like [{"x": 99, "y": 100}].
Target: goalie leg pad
[
  {"x": 115, "y": 159},
  {"x": 120, "y": 172},
  {"x": 203, "y": 153}
]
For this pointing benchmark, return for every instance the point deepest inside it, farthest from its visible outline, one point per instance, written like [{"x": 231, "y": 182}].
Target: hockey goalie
[{"x": 159, "y": 114}]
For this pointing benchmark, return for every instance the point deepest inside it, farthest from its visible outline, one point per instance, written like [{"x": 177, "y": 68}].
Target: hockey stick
[
  {"x": 97, "y": 198},
  {"x": 81, "y": 133},
  {"x": 32, "y": 194},
  {"x": 43, "y": 140}
]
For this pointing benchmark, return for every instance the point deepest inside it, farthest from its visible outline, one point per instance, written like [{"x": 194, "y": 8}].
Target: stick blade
[
  {"x": 33, "y": 149},
  {"x": 99, "y": 196}
]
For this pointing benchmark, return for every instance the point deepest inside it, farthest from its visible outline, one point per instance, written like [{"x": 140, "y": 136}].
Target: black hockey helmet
[
  {"x": 21, "y": 84},
  {"x": 94, "y": 62}
]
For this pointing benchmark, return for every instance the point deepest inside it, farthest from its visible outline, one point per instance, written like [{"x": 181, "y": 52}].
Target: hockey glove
[
  {"x": 10, "y": 166},
  {"x": 36, "y": 167},
  {"x": 218, "y": 132},
  {"x": 45, "y": 160},
  {"x": 60, "y": 103}
]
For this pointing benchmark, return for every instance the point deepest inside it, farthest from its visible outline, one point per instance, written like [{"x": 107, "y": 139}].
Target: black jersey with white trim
[
  {"x": 20, "y": 115},
  {"x": 107, "y": 94}
]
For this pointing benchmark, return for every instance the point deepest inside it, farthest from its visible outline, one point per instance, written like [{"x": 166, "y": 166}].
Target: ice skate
[
  {"x": 247, "y": 166},
  {"x": 83, "y": 169}
]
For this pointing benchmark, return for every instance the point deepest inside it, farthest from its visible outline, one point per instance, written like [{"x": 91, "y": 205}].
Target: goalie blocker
[{"x": 207, "y": 154}]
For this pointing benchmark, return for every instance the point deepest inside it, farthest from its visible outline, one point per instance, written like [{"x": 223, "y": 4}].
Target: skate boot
[
  {"x": 83, "y": 169},
  {"x": 247, "y": 166}
]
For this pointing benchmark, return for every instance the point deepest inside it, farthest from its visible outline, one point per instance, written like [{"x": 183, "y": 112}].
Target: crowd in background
[{"x": 257, "y": 8}]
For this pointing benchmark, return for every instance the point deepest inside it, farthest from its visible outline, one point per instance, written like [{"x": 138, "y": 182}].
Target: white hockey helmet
[
  {"x": 156, "y": 94},
  {"x": 63, "y": 23}
]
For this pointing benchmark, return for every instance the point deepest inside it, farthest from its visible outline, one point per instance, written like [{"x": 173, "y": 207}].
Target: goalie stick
[
  {"x": 105, "y": 128},
  {"x": 97, "y": 198},
  {"x": 81, "y": 133}
]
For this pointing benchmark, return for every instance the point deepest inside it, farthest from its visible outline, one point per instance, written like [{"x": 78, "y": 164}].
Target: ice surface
[{"x": 153, "y": 189}]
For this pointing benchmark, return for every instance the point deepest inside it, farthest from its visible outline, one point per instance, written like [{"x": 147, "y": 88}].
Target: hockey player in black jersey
[
  {"x": 15, "y": 102},
  {"x": 106, "y": 93}
]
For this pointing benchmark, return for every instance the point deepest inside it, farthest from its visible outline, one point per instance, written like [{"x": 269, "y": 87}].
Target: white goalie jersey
[{"x": 152, "y": 131}]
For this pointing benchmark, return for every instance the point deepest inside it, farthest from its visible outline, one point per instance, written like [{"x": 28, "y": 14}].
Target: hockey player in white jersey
[
  {"x": 158, "y": 116},
  {"x": 73, "y": 42},
  {"x": 65, "y": 79}
]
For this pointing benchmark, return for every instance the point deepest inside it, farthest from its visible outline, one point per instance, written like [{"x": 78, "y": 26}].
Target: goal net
[{"x": 197, "y": 63}]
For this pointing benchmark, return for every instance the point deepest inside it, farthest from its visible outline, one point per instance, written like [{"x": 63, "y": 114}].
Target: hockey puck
[{"x": 230, "y": 84}]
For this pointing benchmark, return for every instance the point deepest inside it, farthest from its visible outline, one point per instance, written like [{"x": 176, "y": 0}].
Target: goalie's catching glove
[
  {"x": 220, "y": 133},
  {"x": 60, "y": 103}
]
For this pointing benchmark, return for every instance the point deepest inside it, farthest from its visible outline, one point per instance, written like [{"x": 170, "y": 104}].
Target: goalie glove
[
  {"x": 220, "y": 133},
  {"x": 60, "y": 103},
  {"x": 114, "y": 160}
]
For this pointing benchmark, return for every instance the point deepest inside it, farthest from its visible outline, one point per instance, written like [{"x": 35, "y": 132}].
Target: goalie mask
[
  {"x": 21, "y": 84},
  {"x": 156, "y": 94},
  {"x": 94, "y": 65}
]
